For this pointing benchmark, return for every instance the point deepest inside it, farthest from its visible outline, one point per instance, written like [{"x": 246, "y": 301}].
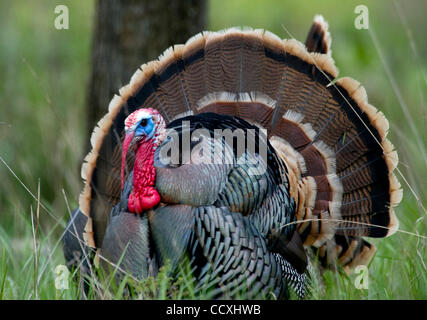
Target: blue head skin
[{"x": 145, "y": 128}]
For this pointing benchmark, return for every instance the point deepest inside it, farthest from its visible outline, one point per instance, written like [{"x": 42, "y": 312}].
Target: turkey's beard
[{"x": 143, "y": 195}]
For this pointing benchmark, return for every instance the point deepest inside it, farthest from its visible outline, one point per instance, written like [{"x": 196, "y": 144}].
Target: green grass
[{"x": 44, "y": 73}]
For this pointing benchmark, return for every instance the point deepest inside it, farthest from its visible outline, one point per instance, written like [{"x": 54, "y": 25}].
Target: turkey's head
[{"x": 145, "y": 130}]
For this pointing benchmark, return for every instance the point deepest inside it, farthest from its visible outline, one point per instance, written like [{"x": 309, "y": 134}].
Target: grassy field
[{"x": 44, "y": 73}]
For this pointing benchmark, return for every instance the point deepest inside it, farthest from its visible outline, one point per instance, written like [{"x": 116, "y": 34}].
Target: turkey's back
[{"x": 228, "y": 149}]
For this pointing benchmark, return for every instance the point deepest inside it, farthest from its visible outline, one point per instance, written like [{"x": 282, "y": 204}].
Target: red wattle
[
  {"x": 143, "y": 196},
  {"x": 141, "y": 203}
]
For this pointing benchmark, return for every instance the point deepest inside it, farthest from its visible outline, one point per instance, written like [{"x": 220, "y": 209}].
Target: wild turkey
[{"x": 325, "y": 183}]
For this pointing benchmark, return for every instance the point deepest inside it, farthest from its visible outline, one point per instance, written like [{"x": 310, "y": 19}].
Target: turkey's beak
[{"x": 126, "y": 143}]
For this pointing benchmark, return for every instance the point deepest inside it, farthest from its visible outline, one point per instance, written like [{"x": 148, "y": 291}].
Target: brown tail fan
[{"x": 333, "y": 141}]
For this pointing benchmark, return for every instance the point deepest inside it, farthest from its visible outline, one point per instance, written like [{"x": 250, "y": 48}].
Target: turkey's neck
[
  {"x": 143, "y": 195},
  {"x": 144, "y": 173}
]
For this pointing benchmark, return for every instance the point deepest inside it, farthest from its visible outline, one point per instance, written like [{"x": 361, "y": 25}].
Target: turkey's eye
[{"x": 143, "y": 122}]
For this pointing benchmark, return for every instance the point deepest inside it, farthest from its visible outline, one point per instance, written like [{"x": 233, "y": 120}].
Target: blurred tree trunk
[{"x": 128, "y": 33}]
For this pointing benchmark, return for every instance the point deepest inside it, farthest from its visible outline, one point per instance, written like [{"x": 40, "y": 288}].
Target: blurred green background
[{"x": 44, "y": 74}]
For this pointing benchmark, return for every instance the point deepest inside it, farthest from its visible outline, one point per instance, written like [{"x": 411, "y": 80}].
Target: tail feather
[
  {"x": 169, "y": 82},
  {"x": 196, "y": 72},
  {"x": 318, "y": 38},
  {"x": 253, "y": 106},
  {"x": 252, "y": 62},
  {"x": 348, "y": 251}
]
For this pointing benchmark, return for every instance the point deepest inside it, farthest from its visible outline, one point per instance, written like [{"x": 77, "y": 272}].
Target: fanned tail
[{"x": 357, "y": 174}]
